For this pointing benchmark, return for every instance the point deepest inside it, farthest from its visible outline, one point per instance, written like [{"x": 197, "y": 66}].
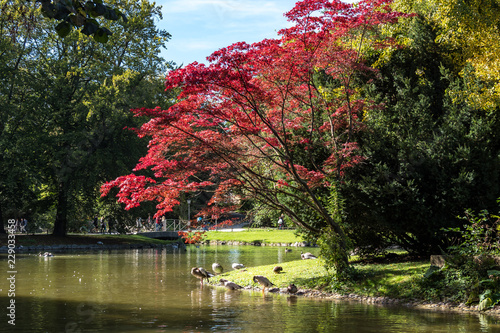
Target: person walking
[
  {"x": 103, "y": 225},
  {"x": 157, "y": 224},
  {"x": 139, "y": 224},
  {"x": 24, "y": 225},
  {"x": 94, "y": 222}
]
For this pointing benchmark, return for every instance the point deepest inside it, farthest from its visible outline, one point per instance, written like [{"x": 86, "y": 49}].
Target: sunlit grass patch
[
  {"x": 397, "y": 280},
  {"x": 302, "y": 273},
  {"x": 254, "y": 235}
]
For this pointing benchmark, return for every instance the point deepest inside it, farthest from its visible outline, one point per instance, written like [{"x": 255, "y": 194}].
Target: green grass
[
  {"x": 254, "y": 235},
  {"x": 394, "y": 280},
  {"x": 303, "y": 273}
]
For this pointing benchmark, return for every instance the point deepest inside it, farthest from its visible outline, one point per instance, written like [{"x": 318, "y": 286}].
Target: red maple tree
[{"x": 251, "y": 123}]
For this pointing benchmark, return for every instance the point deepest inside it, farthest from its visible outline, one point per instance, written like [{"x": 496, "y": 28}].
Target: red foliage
[
  {"x": 192, "y": 236},
  {"x": 223, "y": 224},
  {"x": 250, "y": 121}
]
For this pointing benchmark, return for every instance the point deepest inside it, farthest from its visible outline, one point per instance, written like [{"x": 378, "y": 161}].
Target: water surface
[{"x": 153, "y": 291}]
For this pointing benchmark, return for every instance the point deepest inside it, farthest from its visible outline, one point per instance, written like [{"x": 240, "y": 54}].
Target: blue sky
[{"x": 200, "y": 27}]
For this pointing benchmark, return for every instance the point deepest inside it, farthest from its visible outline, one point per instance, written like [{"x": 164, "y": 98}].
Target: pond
[{"x": 153, "y": 291}]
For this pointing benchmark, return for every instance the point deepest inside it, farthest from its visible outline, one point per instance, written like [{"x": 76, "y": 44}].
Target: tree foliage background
[
  {"x": 433, "y": 150},
  {"x": 64, "y": 105}
]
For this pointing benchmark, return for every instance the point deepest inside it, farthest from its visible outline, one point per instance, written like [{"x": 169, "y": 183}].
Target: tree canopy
[
  {"x": 65, "y": 103},
  {"x": 470, "y": 32},
  {"x": 268, "y": 121},
  {"x": 82, "y": 15}
]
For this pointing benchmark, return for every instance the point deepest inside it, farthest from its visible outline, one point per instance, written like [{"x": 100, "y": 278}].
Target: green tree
[
  {"x": 75, "y": 103},
  {"x": 16, "y": 21},
  {"x": 76, "y": 14},
  {"x": 428, "y": 156},
  {"x": 470, "y": 31}
]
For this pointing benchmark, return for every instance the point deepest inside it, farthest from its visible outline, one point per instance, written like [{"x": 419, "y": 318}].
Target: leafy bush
[
  {"x": 470, "y": 273},
  {"x": 479, "y": 236}
]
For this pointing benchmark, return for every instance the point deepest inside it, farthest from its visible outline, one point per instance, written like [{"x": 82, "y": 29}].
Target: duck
[
  {"x": 201, "y": 273},
  {"x": 287, "y": 250},
  {"x": 238, "y": 266},
  {"x": 307, "y": 255},
  {"x": 277, "y": 269},
  {"x": 217, "y": 268},
  {"x": 263, "y": 281},
  {"x": 46, "y": 254},
  {"x": 292, "y": 289},
  {"x": 230, "y": 285}
]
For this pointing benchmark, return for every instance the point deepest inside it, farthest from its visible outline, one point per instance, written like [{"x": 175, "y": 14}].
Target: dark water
[{"x": 153, "y": 291}]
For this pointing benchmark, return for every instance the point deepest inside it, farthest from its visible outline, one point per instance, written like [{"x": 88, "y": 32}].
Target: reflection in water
[{"x": 153, "y": 290}]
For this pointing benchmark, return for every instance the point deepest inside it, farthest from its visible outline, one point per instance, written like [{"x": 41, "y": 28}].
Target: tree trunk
[{"x": 61, "y": 222}]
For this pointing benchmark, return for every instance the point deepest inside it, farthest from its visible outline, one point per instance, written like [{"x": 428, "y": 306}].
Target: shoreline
[
  {"x": 296, "y": 244},
  {"x": 86, "y": 247},
  {"x": 101, "y": 245},
  {"x": 380, "y": 301}
]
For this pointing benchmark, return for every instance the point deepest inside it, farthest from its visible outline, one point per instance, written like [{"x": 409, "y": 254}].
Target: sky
[{"x": 200, "y": 27}]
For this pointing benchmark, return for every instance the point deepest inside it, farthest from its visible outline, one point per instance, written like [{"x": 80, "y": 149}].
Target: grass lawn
[
  {"x": 254, "y": 235},
  {"x": 395, "y": 280},
  {"x": 303, "y": 273}
]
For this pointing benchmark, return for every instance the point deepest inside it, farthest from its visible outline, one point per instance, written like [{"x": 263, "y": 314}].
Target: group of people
[
  {"x": 21, "y": 225},
  {"x": 101, "y": 225},
  {"x": 149, "y": 225}
]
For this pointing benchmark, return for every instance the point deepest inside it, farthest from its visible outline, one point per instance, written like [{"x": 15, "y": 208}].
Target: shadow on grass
[
  {"x": 313, "y": 282},
  {"x": 398, "y": 282}
]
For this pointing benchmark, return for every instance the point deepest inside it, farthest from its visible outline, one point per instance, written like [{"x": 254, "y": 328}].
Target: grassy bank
[
  {"x": 396, "y": 276},
  {"x": 254, "y": 235},
  {"x": 394, "y": 280}
]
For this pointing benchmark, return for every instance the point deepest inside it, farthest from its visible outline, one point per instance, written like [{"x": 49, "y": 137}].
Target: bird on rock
[
  {"x": 230, "y": 285},
  {"x": 277, "y": 269},
  {"x": 201, "y": 273},
  {"x": 238, "y": 266},
  {"x": 292, "y": 289},
  {"x": 263, "y": 281},
  {"x": 307, "y": 255},
  {"x": 217, "y": 268}
]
